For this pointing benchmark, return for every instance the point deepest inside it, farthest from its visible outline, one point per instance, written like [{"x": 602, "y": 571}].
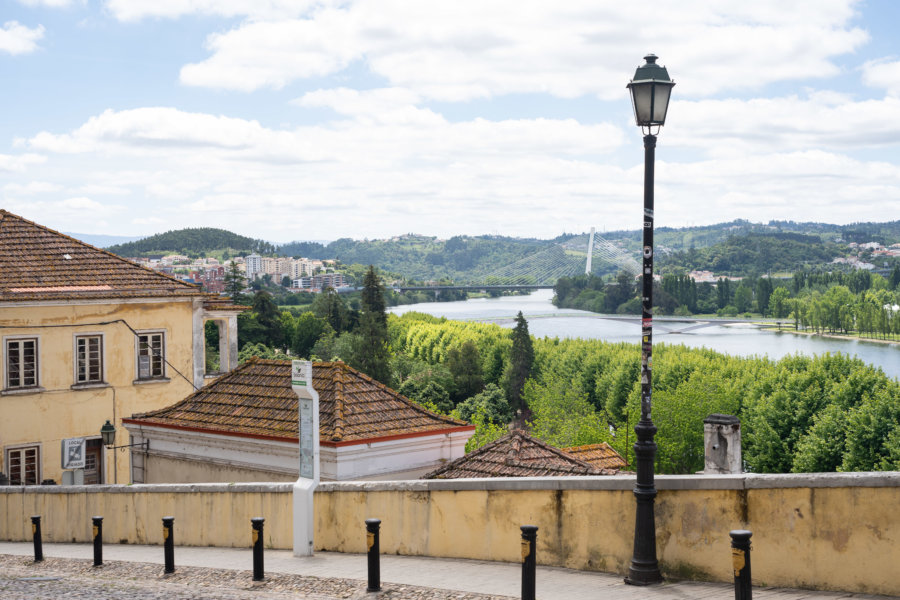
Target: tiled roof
[
  {"x": 37, "y": 263},
  {"x": 256, "y": 399},
  {"x": 516, "y": 454},
  {"x": 601, "y": 456}
]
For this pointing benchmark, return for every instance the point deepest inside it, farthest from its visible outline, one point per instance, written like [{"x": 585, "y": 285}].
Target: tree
[
  {"x": 234, "y": 282},
  {"x": 308, "y": 328},
  {"x": 330, "y": 307},
  {"x": 266, "y": 313},
  {"x": 763, "y": 292},
  {"x": 372, "y": 295},
  {"x": 491, "y": 402},
  {"x": 464, "y": 362},
  {"x": 286, "y": 281},
  {"x": 521, "y": 360},
  {"x": 743, "y": 297},
  {"x": 778, "y": 302},
  {"x": 371, "y": 348}
]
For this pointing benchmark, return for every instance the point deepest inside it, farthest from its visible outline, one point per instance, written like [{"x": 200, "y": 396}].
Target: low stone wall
[{"x": 824, "y": 531}]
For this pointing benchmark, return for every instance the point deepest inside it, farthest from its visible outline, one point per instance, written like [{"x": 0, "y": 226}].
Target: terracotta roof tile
[
  {"x": 601, "y": 456},
  {"x": 516, "y": 454},
  {"x": 37, "y": 263},
  {"x": 257, "y": 399}
]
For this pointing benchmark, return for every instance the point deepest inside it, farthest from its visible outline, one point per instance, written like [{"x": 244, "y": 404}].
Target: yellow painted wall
[
  {"x": 60, "y": 412},
  {"x": 832, "y": 536},
  {"x": 161, "y": 469}
]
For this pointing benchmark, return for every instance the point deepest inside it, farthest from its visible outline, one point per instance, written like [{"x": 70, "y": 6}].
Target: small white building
[{"x": 244, "y": 427}]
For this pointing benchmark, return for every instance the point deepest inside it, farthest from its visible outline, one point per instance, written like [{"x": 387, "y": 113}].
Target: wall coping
[{"x": 745, "y": 481}]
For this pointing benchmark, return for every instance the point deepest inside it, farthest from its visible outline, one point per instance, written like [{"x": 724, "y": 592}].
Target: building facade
[{"x": 88, "y": 337}]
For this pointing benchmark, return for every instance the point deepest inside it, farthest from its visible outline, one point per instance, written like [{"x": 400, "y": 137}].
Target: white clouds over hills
[{"x": 452, "y": 117}]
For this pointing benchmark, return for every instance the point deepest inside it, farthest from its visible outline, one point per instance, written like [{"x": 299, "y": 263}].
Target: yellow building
[{"x": 88, "y": 337}]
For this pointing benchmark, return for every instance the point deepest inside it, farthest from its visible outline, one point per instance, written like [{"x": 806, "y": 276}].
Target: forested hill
[
  {"x": 756, "y": 254},
  {"x": 460, "y": 258},
  {"x": 195, "y": 241}
]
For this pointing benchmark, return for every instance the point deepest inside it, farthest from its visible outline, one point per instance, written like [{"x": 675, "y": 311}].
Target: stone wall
[{"x": 824, "y": 531}]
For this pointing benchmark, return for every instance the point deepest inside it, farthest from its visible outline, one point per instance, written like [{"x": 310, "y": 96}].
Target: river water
[{"x": 740, "y": 339}]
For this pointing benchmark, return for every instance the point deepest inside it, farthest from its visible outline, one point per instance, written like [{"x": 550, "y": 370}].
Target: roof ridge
[
  {"x": 6, "y": 213},
  {"x": 338, "y": 429}
]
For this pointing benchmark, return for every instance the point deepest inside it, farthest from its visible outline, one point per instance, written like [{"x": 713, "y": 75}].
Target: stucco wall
[
  {"x": 834, "y": 531},
  {"x": 57, "y": 411}
]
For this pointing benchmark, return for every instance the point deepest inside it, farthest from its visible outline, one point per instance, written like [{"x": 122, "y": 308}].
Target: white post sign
[
  {"x": 73, "y": 453},
  {"x": 308, "y": 416}
]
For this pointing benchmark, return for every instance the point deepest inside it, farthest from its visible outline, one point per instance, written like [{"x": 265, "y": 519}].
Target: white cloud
[
  {"x": 883, "y": 74},
  {"x": 11, "y": 162},
  {"x": 474, "y": 49},
  {"x": 135, "y": 10},
  {"x": 819, "y": 120},
  {"x": 16, "y": 38},
  {"x": 32, "y": 187},
  {"x": 50, "y": 3}
]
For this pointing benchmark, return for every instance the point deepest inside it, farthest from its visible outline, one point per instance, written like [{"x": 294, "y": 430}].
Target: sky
[{"x": 306, "y": 119}]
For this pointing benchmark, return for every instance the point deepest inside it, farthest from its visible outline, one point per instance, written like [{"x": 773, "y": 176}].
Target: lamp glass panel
[
  {"x": 661, "y": 103},
  {"x": 642, "y": 95}
]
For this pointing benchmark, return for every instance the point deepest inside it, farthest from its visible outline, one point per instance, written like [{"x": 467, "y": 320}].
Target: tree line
[{"x": 799, "y": 414}]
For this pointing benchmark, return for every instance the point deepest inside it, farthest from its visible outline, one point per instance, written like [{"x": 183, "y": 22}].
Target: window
[
  {"x": 24, "y": 465},
  {"x": 89, "y": 359},
  {"x": 21, "y": 363},
  {"x": 151, "y": 355}
]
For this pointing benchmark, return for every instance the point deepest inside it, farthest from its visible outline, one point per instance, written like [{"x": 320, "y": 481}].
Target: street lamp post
[
  {"x": 108, "y": 435},
  {"x": 650, "y": 91}
]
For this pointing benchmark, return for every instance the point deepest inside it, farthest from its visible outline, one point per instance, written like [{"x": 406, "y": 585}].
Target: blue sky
[{"x": 306, "y": 119}]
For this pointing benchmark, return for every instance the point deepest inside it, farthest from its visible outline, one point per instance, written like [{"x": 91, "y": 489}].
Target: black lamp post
[
  {"x": 108, "y": 435},
  {"x": 650, "y": 91}
]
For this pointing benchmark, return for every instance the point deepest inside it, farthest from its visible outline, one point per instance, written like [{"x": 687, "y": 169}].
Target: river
[{"x": 740, "y": 339}]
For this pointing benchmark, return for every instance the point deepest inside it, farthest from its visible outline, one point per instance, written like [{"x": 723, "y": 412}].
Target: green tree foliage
[
  {"x": 235, "y": 282},
  {"x": 763, "y": 293},
  {"x": 797, "y": 414},
  {"x": 491, "y": 403},
  {"x": 329, "y": 305},
  {"x": 743, "y": 297},
  {"x": 371, "y": 350},
  {"x": 308, "y": 328},
  {"x": 521, "y": 360},
  {"x": 196, "y": 241},
  {"x": 486, "y": 431},
  {"x": 250, "y": 350},
  {"x": 465, "y": 364},
  {"x": 561, "y": 414}
]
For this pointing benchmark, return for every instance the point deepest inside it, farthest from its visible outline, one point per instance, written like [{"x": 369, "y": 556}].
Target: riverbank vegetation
[
  {"x": 798, "y": 414},
  {"x": 857, "y": 303}
]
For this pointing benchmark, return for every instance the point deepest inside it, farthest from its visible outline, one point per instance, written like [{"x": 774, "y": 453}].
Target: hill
[
  {"x": 755, "y": 254},
  {"x": 193, "y": 242}
]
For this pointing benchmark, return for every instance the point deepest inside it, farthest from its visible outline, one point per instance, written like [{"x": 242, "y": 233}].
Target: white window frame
[
  {"x": 24, "y": 448},
  {"x": 37, "y": 363},
  {"x": 89, "y": 382},
  {"x": 137, "y": 356}
]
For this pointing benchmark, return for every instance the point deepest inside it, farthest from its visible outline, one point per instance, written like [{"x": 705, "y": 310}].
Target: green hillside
[{"x": 193, "y": 242}]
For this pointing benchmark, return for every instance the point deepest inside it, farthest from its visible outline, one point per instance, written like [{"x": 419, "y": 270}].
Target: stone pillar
[{"x": 722, "y": 444}]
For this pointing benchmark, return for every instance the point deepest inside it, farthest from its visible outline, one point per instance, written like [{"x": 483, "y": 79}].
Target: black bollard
[
  {"x": 257, "y": 524},
  {"x": 740, "y": 557},
  {"x": 372, "y": 527},
  {"x": 36, "y": 536},
  {"x": 169, "y": 543},
  {"x": 98, "y": 541},
  {"x": 529, "y": 560}
]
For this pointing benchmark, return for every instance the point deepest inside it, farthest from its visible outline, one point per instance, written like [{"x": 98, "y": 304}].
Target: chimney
[{"x": 722, "y": 444}]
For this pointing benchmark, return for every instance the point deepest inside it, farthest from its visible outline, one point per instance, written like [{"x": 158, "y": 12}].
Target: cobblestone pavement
[{"x": 23, "y": 579}]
